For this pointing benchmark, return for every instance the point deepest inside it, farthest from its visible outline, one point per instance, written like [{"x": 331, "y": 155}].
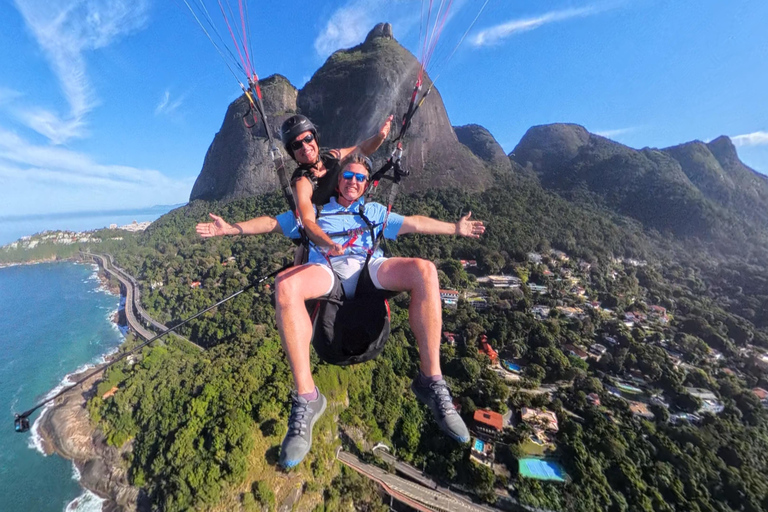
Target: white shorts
[{"x": 349, "y": 270}]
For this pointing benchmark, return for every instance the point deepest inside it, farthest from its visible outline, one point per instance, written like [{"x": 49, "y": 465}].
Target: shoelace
[
  {"x": 444, "y": 401},
  {"x": 296, "y": 421}
]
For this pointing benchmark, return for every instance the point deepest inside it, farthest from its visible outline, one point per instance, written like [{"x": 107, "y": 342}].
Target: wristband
[{"x": 238, "y": 227}]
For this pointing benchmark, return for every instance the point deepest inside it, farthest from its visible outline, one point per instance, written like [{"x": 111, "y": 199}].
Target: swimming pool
[
  {"x": 479, "y": 446},
  {"x": 511, "y": 366},
  {"x": 628, "y": 388}
]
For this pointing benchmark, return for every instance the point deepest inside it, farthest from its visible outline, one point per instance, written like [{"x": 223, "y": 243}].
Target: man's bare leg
[
  {"x": 419, "y": 278},
  {"x": 293, "y": 288}
]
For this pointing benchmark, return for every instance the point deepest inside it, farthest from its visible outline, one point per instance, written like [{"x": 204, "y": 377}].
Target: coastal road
[
  {"x": 412, "y": 494},
  {"x": 132, "y": 301}
]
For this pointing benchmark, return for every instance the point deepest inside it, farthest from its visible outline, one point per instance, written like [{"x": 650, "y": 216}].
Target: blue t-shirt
[{"x": 348, "y": 220}]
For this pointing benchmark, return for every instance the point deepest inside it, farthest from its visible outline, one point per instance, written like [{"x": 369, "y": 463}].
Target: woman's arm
[
  {"x": 256, "y": 226},
  {"x": 369, "y": 146},
  {"x": 303, "y": 196},
  {"x": 429, "y": 226}
]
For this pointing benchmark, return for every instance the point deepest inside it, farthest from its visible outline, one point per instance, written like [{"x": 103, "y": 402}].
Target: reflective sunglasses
[
  {"x": 298, "y": 144},
  {"x": 348, "y": 175}
]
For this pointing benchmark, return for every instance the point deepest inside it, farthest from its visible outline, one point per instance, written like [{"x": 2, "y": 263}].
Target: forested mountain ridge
[
  {"x": 206, "y": 428},
  {"x": 636, "y": 227},
  {"x": 691, "y": 190}
]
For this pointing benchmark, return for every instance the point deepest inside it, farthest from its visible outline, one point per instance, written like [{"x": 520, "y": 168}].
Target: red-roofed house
[
  {"x": 449, "y": 297},
  {"x": 487, "y": 349},
  {"x": 488, "y": 422},
  {"x": 573, "y": 350},
  {"x": 762, "y": 394}
]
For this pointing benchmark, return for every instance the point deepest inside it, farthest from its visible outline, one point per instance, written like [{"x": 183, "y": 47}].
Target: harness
[
  {"x": 352, "y": 330},
  {"x": 322, "y": 188}
]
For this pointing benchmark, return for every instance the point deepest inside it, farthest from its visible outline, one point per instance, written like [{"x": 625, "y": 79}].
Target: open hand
[
  {"x": 217, "y": 228},
  {"x": 384, "y": 130},
  {"x": 470, "y": 228}
]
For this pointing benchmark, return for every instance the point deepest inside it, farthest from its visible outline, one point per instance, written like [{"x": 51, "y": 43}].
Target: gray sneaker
[
  {"x": 298, "y": 440},
  {"x": 438, "y": 397}
]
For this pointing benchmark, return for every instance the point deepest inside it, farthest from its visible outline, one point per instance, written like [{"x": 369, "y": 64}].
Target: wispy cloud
[
  {"x": 498, "y": 33},
  {"x": 8, "y": 96},
  {"x": 609, "y": 134},
  {"x": 349, "y": 24},
  {"x": 168, "y": 106},
  {"x": 347, "y": 27},
  {"x": 65, "y": 30},
  {"x": 751, "y": 139},
  {"x": 65, "y": 179}
]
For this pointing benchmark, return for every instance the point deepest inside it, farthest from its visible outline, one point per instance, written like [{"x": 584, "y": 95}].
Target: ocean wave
[
  {"x": 35, "y": 439},
  {"x": 86, "y": 502}
]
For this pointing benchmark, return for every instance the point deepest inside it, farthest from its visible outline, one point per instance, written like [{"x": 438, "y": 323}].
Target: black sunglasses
[{"x": 298, "y": 144}]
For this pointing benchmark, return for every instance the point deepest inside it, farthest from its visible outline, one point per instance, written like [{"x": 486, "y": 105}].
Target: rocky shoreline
[{"x": 65, "y": 429}]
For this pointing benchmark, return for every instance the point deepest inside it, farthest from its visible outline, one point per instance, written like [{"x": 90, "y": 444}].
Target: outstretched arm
[
  {"x": 428, "y": 226},
  {"x": 369, "y": 146},
  {"x": 220, "y": 227}
]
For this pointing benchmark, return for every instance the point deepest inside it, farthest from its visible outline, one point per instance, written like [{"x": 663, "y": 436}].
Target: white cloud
[
  {"x": 65, "y": 30},
  {"x": 349, "y": 24},
  {"x": 609, "y": 134},
  {"x": 347, "y": 27},
  {"x": 166, "y": 106},
  {"x": 9, "y": 95},
  {"x": 751, "y": 139},
  {"x": 62, "y": 179},
  {"x": 496, "y": 34}
]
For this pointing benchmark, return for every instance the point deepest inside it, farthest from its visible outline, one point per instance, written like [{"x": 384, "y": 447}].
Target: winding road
[{"x": 133, "y": 301}]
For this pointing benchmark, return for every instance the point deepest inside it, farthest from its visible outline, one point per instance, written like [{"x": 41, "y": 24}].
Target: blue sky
[{"x": 108, "y": 104}]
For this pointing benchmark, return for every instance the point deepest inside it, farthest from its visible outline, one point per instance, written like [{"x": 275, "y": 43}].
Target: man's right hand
[
  {"x": 219, "y": 227},
  {"x": 336, "y": 250}
]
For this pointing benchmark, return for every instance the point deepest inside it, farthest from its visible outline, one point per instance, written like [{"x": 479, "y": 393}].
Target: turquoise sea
[{"x": 54, "y": 319}]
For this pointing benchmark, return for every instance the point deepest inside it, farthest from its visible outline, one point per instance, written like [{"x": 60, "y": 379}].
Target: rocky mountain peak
[
  {"x": 545, "y": 145},
  {"x": 725, "y": 152},
  {"x": 381, "y": 30},
  {"x": 483, "y": 144},
  {"x": 348, "y": 99}
]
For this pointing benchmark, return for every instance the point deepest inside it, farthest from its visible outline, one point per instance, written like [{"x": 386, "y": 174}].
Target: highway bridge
[
  {"x": 415, "y": 495},
  {"x": 134, "y": 313}
]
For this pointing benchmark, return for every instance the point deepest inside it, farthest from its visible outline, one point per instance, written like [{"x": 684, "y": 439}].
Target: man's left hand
[{"x": 470, "y": 228}]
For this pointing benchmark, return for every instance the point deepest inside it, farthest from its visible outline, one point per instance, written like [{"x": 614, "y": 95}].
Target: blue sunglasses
[{"x": 348, "y": 175}]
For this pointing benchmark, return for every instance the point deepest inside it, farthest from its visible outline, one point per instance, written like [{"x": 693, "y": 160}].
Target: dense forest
[{"x": 206, "y": 427}]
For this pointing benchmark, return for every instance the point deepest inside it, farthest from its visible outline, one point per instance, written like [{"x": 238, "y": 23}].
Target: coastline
[{"x": 64, "y": 428}]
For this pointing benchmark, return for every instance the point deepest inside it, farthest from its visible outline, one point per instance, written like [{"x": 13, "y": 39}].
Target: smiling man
[
  {"x": 314, "y": 181},
  {"x": 327, "y": 275}
]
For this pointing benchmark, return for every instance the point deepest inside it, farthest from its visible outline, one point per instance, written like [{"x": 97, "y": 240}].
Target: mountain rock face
[
  {"x": 356, "y": 89},
  {"x": 237, "y": 163},
  {"x": 715, "y": 169},
  {"x": 348, "y": 99},
  {"x": 483, "y": 145},
  {"x": 648, "y": 184}
]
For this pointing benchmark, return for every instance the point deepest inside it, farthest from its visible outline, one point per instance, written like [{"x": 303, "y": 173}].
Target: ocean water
[{"x": 54, "y": 319}]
